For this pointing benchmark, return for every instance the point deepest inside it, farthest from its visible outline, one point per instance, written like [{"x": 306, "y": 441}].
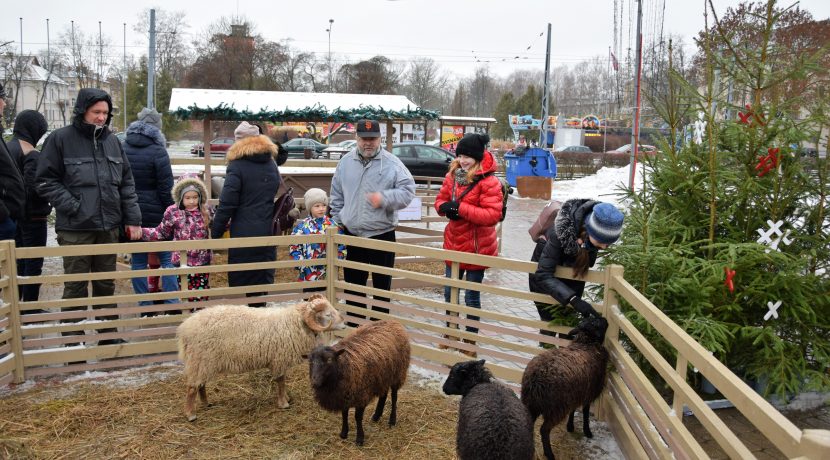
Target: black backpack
[{"x": 283, "y": 217}]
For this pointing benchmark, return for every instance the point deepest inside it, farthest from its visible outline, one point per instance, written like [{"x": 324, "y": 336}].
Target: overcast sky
[{"x": 455, "y": 33}]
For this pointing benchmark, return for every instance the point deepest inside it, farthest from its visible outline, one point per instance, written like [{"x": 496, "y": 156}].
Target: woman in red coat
[{"x": 471, "y": 197}]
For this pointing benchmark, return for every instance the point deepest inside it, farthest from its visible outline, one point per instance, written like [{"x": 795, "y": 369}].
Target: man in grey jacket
[
  {"x": 85, "y": 174},
  {"x": 369, "y": 186}
]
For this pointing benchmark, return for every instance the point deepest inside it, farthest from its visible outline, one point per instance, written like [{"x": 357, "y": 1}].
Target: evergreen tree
[
  {"x": 711, "y": 203},
  {"x": 505, "y": 107},
  {"x": 137, "y": 98}
]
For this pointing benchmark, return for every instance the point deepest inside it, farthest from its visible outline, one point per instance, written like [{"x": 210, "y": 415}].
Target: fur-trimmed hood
[
  {"x": 251, "y": 146},
  {"x": 140, "y": 134},
  {"x": 569, "y": 221},
  {"x": 183, "y": 183}
]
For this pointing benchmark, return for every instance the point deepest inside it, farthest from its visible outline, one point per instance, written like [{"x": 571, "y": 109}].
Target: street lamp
[{"x": 331, "y": 22}]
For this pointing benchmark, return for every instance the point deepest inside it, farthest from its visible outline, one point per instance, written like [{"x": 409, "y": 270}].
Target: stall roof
[
  {"x": 225, "y": 104},
  {"x": 453, "y": 119}
]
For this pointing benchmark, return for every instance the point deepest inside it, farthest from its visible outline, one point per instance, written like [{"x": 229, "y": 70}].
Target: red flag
[{"x": 614, "y": 62}]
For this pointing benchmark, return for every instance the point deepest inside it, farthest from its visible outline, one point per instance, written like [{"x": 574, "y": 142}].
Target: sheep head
[
  {"x": 323, "y": 365},
  {"x": 590, "y": 330},
  {"x": 321, "y": 316},
  {"x": 465, "y": 375}
]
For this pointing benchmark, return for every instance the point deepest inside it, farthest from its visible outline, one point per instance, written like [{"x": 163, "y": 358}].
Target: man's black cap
[{"x": 367, "y": 128}]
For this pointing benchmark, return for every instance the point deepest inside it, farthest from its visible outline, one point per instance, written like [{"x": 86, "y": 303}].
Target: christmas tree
[{"x": 730, "y": 234}]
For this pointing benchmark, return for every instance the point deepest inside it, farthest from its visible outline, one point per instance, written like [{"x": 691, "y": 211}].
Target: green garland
[{"x": 315, "y": 113}]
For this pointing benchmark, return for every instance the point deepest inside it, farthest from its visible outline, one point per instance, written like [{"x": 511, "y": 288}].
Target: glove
[
  {"x": 583, "y": 307},
  {"x": 449, "y": 209}
]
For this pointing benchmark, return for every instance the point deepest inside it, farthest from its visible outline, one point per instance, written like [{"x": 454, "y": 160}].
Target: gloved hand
[
  {"x": 583, "y": 307},
  {"x": 449, "y": 209}
]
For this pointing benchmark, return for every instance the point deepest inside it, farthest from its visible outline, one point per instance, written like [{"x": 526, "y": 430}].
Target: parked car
[
  {"x": 574, "y": 149},
  {"x": 424, "y": 160},
  {"x": 297, "y": 146},
  {"x": 644, "y": 148},
  {"x": 220, "y": 145},
  {"x": 336, "y": 151}
]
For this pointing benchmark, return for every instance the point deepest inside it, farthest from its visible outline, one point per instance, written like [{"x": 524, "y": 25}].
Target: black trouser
[
  {"x": 372, "y": 256},
  {"x": 30, "y": 234},
  {"x": 88, "y": 264}
]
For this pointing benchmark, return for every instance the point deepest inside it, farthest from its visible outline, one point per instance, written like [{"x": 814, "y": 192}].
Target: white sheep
[{"x": 232, "y": 339}]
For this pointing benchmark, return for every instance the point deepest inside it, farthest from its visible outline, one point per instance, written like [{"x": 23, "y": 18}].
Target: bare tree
[
  {"x": 82, "y": 53},
  {"x": 424, "y": 81},
  {"x": 374, "y": 76},
  {"x": 173, "y": 54},
  {"x": 290, "y": 72}
]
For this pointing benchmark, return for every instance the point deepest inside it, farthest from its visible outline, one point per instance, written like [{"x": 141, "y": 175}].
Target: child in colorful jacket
[
  {"x": 188, "y": 219},
  {"x": 316, "y": 202}
]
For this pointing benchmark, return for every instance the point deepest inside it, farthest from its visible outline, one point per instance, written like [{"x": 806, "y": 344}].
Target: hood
[
  {"x": 87, "y": 97},
  {"x": 488, "y": 164},
  {"x": 141, "y": 134},
  {"x": 251, "y": 146},
  {"x": 30, "y": 126},
  {"x": 186, "y": 181},
  {"x": 569, "y": 221}
]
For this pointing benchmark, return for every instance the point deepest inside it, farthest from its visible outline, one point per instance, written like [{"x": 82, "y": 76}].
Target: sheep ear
[
  {"x": 339, "y": 352},
  {"x": 480, "y": 362}
]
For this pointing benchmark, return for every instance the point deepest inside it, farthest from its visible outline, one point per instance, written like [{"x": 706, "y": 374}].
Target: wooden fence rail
[{"x": 54, "y": 336}]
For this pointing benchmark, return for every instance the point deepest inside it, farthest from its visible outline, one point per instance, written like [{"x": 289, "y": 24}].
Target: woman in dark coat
[
  {"x": 247, "y": 202},
  {"x": 146, "y": 151}
]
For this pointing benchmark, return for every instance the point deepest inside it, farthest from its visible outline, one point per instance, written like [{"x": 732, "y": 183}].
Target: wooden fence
[{"x": 646, "y": 423}]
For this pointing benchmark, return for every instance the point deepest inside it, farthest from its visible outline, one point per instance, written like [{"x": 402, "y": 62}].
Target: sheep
[
  {"x": 560, "y": 380},
  {"x": 360, "y": 367},
  {"x": 492, "y": 422},
  {"x": 232, "y": 339}
]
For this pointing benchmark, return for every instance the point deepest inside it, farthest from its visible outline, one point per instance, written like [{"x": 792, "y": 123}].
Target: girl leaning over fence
[{"x": 187, "y": 219}]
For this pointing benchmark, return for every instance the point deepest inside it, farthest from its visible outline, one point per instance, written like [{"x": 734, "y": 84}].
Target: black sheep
[
  {"x": 492, "y": 422},
  {"x": 362, "y": 366},
  {"x": 560, "y": 380}
]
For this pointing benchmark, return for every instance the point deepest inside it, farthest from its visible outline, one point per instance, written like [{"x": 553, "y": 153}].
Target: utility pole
[
  {"x": 331, "y": 81},
  {"x": 151, "y": 62},
  {"x": 543, "y": 133},
  {"x": 100, "y": 56},
  {"x": 635, "y": 129}
]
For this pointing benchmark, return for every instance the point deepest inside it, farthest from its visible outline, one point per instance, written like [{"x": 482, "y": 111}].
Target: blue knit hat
[{"x": 604, "y": 223}]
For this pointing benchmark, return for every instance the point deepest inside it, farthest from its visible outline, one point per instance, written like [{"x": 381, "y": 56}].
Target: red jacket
[{"x": 480, "y": 211}]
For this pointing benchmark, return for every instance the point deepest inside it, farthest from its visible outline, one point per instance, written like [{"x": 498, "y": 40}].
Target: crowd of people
[{"x": 103, "y": 191}]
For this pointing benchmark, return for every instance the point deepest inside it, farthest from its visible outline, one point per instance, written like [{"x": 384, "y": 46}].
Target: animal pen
[{"x": 645, "y": 422}]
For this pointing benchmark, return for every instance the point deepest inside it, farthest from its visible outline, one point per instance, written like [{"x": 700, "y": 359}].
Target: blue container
[{"x": 530, "y": 162}]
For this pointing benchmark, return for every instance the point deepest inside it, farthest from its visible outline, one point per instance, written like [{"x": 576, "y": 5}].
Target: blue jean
[
  {"x": 169, "y": 283},
  {"x": 471, "y": 298}
]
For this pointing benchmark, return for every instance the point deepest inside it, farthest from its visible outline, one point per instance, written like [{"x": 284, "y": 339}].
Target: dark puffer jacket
[
  {"x": 247, "y": 201},
  {"x": 12, "y": 194},
  {"x": 30, "y": 126},
  {"x": 150, "y": 163},
  {"x": 561, "y": 249},
  {"x": 85, "y": 174}
]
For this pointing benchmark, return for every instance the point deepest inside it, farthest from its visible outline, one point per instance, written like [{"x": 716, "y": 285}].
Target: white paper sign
[{"x": 411, "y": 212}]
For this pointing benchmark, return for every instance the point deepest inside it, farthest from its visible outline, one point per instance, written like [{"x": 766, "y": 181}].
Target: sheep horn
[{"x": 310, "y": 319}]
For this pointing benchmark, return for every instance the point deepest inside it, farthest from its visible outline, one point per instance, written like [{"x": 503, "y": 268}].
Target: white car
[{"x": 336, "y": 151}]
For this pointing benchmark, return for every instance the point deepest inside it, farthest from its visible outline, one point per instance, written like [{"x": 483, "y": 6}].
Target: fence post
[
  {"x": 11, "y": 296},
  {"x": 815, "y": 444},
  {"x": 613, "y": 333},
  {"x": 331, "y": 258},
  {"x": 455, "y": 270}
]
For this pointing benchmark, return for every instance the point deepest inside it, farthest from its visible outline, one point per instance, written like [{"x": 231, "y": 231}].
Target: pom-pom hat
[{"x": 604, "y": 223}]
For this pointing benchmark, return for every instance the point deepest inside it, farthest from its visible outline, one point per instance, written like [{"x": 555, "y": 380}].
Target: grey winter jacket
[
  {"x": 352, "y": 181},
  {"x": 85, "y": 174}
]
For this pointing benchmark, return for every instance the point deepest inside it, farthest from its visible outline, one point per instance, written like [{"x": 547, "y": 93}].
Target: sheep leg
[
  {"x": 190, "y": 402},
  {"x": 544, "y": 431},
  {"x": 570, "y": 425},
  {"x": 586, "y": 428},
  {"x": 282, "y": 398},
  {"x": 203, "y": 395},
  {"x": 379, "y": 408},
  {"x": 393, "y": 414},
  {"x": 344, "y": 427},
  {"x": 358, "y": 420}
]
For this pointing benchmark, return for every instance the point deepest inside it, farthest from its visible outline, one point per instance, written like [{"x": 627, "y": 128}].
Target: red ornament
[
  {"x": 729, "y": 275},
  {"x": 748, "y": 117},
  {"x": 767, "y": 162}
]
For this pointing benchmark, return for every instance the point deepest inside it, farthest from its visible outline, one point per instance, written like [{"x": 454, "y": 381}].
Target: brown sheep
[
  {"x": 560, "y": 380},
  {"x": 232, "y": 339},
  {"x": 365, "y": 365}
]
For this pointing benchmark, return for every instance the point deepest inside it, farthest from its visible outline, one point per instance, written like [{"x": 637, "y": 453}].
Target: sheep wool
[
  {"x": 362, "y": 366},
  {"x": 560, "y": 380},
  {"x": 232, "y": 339},
  {"x": 492, "y": 422}
]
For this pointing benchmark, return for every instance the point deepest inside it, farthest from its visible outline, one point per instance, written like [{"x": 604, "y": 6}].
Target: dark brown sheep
[
  {"x": 560, "y": 380},
  {"x": 365, "y": 365}
]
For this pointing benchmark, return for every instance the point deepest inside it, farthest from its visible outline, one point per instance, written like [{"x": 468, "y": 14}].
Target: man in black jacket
[
  {"x": 85, "y": 174},
  {"x": 12, "y": 195}
]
